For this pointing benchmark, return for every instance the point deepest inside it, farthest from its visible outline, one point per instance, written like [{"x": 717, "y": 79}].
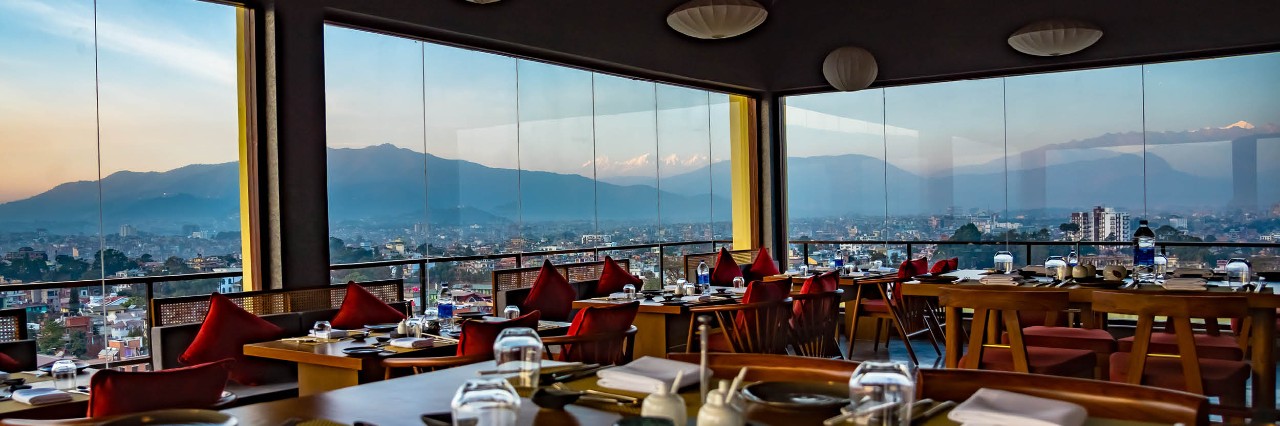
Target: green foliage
[
  {"x": 111, "y": 261},
  {"x": 52, "y": 336},
  {"x": 78, "y": 344}
]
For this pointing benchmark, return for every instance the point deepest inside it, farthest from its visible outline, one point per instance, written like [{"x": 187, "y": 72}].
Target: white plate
[{"x": 184, "y": 417}]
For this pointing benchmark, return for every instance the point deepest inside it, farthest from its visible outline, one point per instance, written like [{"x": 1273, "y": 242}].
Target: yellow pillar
[
  {"x": 745, "y": 179},
  {"x": 247, "y": 117}
]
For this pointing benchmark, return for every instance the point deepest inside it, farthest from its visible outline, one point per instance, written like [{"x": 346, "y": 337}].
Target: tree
[
  {"x": 69, "y": 268},
  {"x": 146, "y": 258},
  {"x": 51, "y": 336},
  {"x": 110, "y": 261},
  {"x": 78, "y": 345},
  {"x": 968, "y": 232}
]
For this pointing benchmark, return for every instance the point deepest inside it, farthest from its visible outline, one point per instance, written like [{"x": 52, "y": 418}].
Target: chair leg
[
  {"x": 875, "y": 343},
  {"x": 851, "y": 323},
  {"x": 934, "y": 326},
  {"x": 906, "y": 341}
]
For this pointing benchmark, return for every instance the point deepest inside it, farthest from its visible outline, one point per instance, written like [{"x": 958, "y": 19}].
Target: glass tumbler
[
  {"x": 511, "y": 312},
  {"x": 518, "y": 351},
  {"x": 1238, "y": 273},
  {"x": 629, "y": 291},
  {"x": 739, "y": 282},
  {"x": 64, "y": 374},
  {"x": 485, "y": 402},
  {"x": 882, "y": 393},
  {"x": 1004, "y": 262},
  {"x": 321, "y": 329}
]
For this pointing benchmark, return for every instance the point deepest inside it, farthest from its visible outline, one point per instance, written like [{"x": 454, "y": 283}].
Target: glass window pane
[
  {"x": 721, "y": 167},
  {"x": 684, "y": 171},
  {"x": 626, "y": 153}
]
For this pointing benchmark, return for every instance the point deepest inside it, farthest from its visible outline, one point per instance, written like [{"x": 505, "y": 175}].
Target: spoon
[{"x": 556, "y": 399}]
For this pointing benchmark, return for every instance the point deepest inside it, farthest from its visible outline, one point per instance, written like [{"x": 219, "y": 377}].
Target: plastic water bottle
[
  {"x": 1144, "y": 250},
  {"x": 1073, "y": 259},
  {"x": 838, "y": 262},
  {"x": 704, "y": 273},
  {"x": 444, "y": 304}
]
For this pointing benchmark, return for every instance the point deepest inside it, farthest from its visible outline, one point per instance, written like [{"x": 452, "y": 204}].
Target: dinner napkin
[
  {"x": 412, "y": 342},
  {"x": 698, "y": 298},
  {"x": 331, "y": 334},
  {"x": 40, "y": 396},
  {"x": 1185, "y": 284},
  {"x": 1001, "y": 279},
  {"x": 997, "y": 407},
  {"x": 648, "y": 375}
]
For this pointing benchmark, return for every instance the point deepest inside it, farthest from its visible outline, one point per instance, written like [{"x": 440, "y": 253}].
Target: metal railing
[{"x": 911, "y": 244}]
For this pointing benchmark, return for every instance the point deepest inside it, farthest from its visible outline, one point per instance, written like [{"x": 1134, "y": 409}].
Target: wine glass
[
  {"x": 486, "y": 402},
  {"x": 518, "y": 350},
  {"x": 883, "y": 392}
]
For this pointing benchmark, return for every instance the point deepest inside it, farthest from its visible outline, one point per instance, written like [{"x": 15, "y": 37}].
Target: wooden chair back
[
  {"x": 1004, "y": 303},
  {"x": 511, "y": 286},
  {"x": 741, "y": 257},
  {"x": 596, "y": 348},
  {"x": 763, "y": 329},
  {"x": 813, "y": 323},
  {"x": 13, "y": 324},
  {"x": 192, "y": 309},
  {"x": 1179, "y": 309}
]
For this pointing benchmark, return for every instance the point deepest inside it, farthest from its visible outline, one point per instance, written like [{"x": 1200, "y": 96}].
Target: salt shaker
[
  {"x": 665, "y": 404},
  {"x": 717, "y": 413}
]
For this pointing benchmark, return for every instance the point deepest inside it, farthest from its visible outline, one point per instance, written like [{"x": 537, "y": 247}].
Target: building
[
  {"x": 1102, "y": 224},
  {"x": 1178, "y": 222},
  {"x": 27, "y": 253},
  {"x": 127, "y": 230}
]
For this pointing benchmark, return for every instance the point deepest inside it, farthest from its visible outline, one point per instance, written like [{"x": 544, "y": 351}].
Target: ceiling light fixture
[
  {"x": 850, "y": 68},
  {"x": 1055, "y": 37},
  {"x": 483, "y": 1},
  {"x": 716, "y": 19}
]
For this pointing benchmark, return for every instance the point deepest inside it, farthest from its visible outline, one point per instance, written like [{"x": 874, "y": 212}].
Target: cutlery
[
  {"x": 622, "y": 399},
  {"x": 575, "y": 375},
  {"x": 935, "y": 410}
]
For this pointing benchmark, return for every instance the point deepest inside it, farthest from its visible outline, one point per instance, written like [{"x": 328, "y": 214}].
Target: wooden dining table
[
  {"x": 660, "y": 328},
  {"x": 323, "y": 366},
  {"x": 1262, "y": 310},
  {"x": 77, "y": 406}
]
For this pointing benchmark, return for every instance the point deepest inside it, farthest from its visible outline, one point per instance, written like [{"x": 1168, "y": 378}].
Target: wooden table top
[
  {"x": 77, "y": 406},
  {"x": 1079, "y": 293},
  {"x": 651, "y": 307}
]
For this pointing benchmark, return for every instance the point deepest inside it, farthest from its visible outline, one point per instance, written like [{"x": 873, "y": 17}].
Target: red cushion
[
  {"x": 8, "y": 364},
  {"x": 1096, "y": 340},
  {"x": 764, "y": 266},
  {"x": 875, "y": 305},
  {"x": 920, "y": 266},
  {"x": 823, "y": 283},
  {"x": 1220, "y": 377},
  {"x": 225, "y": 331},
  {"x": 940, "y": 267},
  {"x": 1051, "y": 361},
  {"x": 613, "y": 278},
  {"x": 601, "y": 319},
  {"x": 360, "y": 307},
  {"x": 907, "y": 270},
  {"x": 725, "y": 270},
  {"x": 551, "y": 294},
  {"x": 114, "y": 392},
  {"x": 761, "y": 291},
  {"x": 1216, "y": 347},
  {"x": 953, "y": 264},
  {"x": 478, "y": 336}
]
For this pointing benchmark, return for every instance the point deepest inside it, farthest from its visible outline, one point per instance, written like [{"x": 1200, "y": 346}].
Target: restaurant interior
[{"x": 662, "y": 212}]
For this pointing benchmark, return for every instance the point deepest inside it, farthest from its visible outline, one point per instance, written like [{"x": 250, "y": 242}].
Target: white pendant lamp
[
  {"x": 716, "y": 19},
  {"x": 850, "y": 68},
  {"x": 1055, "y": 37},
  {"x": 483, "y": 1}
]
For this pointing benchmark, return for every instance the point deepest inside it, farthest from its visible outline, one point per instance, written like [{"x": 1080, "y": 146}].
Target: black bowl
[
  {"x": 798, "y": 395},
  {"x": 383, "y": 339}
]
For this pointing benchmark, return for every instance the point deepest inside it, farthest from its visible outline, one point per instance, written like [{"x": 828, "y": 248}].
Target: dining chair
[
  {"x": 1185, "y": 368},
  {"x": 1039, "y": 331},
  {"x": 598, "y": 335},
  {"x": 758, "y": 327},
  {"x": 113, "y": 392},
  {"x": 887, "y": 307},
  {"x": 475, "y": 344},
  {"x": 992, "y": 305},
  {"x": 814, "y": 322}
]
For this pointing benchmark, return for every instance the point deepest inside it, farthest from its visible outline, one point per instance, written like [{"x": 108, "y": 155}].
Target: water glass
[
  {"x": 883, "y": 392},
  {"x": 1238, "y": 272},
  {"x": 1004, "y": 262},
  {"x": 64, "y": 374},
  {"x": 739, "y": 282},
  {"x": 485, "y": 402},
  {"x": 321, "y": 329},
  {"x": 518, "y": 351},
  {"x": 511, "y": 312},
  {"x": 629, "y": 291},
  {"x": 1057, "y": 268}
]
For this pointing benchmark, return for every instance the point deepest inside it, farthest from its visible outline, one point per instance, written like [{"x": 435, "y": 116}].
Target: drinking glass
[
  {"x": 1004, "y": 262},
  {"x": 739, "y": 282},
  {"x": 1237, "y": 272},
  {"x": 1057, "y": 268},
  {"x": 883, "y": 392},
  {"x": 511, "y": 312},
  {"x": 485, "y": 402},
  {"x": 629, "y": 291},
  {"x": 518, "y": 351},
  {"x": 64, "y": 374},
  {"x": 321, "y": 329}
]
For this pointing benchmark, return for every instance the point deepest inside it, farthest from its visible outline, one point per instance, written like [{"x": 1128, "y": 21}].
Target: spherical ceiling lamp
[
  {"x": 483, "y": 1},
  {"x": 850, "y": 68},
  {"x": 1055, "y": 37},
  {"x": 716, "y": 19}
]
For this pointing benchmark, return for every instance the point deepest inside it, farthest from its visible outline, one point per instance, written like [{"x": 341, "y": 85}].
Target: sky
[{"x": 166, "y": 98}]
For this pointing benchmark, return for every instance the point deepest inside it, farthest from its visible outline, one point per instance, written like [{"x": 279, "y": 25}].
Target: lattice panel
[
  {"x": 10, "y": 328},
  {"x": 192, "y": 309},
  {"x": 511, "y": 279},
  {"x": 741, "y": 257}
]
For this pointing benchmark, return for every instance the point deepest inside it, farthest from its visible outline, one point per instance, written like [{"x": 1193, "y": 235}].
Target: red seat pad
[
  {"x": 613, "y": 278},
  {"x": 1216, "y": 347},
  {"x": 1098, "y": 341},
  {"x": 764, "y": 266},
  {"x": 478, "y": 336},
  {"x": 601, "y": 319},
  {"x": 225, "y": 331},
  {"x": 875, "y": 305},
  {"x": 1052, "y": 361},
  {"x": 725, "y": 269},
  {"x": 114, "y": 392},
  {"x": 551, "y": 294},
  {"x": 1220, "y": 377},
  {"x": 360, "y": 307}
]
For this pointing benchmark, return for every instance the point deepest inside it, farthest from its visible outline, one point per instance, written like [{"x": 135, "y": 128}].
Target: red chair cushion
[
  {"x": 114, "y": 392},
  {"x": 360, "y": 307},
  {"x": 907, "y": 270},
  {"x": 875, "y": 305},
  {"x": 1220, "y": 377},
  {"x": 8, "y": 364},
  {"x": 1051, "y": 361},
  {"x": 1096, "y": 340},
  {"x": 725, "y": 270},
  {"x": 761, "y": 291},
  {"x": 822, "y": 283},
  {"x": 940, "y": 267},
  {"x": 551, "y": 294},
  {"x": 920, "y": 266},
  {"x": 953, "y": 264},
  {"x": 764, "y": 266},
  {"x": 1216, "y": 347},
  {"x": 602, "y": 319},
  {"x": 613, "y": 278},
  {"x": 225, "y": 331},
  {"x": 478, "y": 336}
]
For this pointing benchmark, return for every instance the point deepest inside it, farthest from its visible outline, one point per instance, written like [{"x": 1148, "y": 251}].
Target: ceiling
[{"x": 913, "y": 40}]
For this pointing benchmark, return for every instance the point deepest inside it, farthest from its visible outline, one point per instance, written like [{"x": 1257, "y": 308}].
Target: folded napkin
[
  {"x": 1001, "y": 279},
  {"x": 1185, "y": 284},
  {"x": 698, "y": 298},
  {"x": 996, "y": 407},
  {"x": 331, "y": 334},
  {"x": 412, "y": 342},
  {"x": 648, "y": 375},
  {"x": 40, "y": 396}
]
